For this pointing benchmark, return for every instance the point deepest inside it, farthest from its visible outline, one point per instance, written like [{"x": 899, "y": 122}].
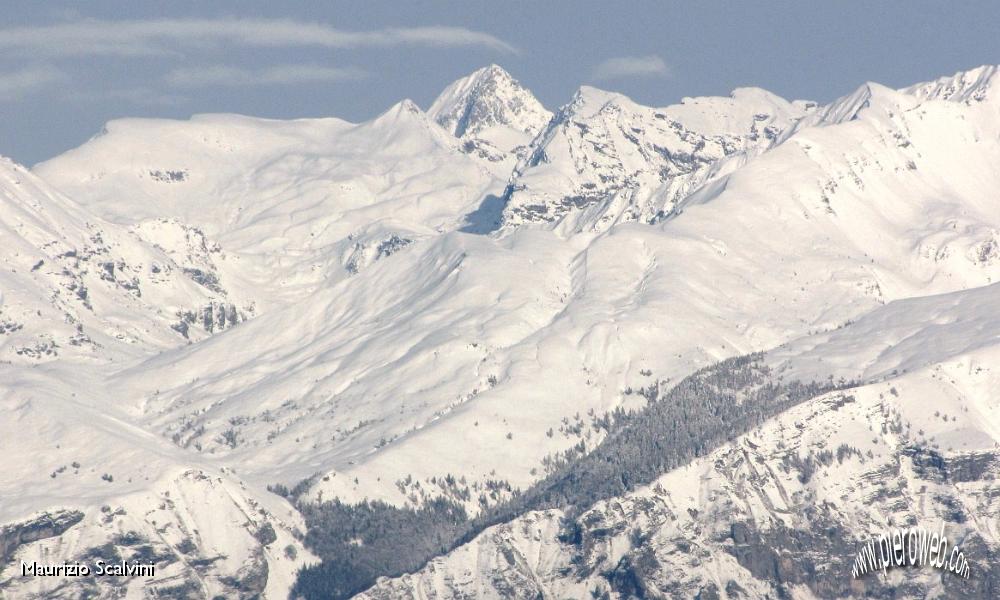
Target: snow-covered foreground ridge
[{"x": 193, "y": 310}]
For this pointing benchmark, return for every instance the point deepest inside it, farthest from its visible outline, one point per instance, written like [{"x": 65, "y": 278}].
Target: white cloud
[
  {"x": 631, "y": 66},
  {"x": 220, "y": 75},
  {"x": 25, "y": 81},
  {"x": 173, "y": 36}
]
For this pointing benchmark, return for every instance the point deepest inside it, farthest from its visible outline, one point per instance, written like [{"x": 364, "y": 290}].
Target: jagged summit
[
  {"x": 850, "y": 107},
  {"x": 973, "y": 85},
  {"x": 970, "y": 87},
  {"x": 588, "y": 100},
  {"x": 606, "y": 159},
  {"x": 488, "y": 98},
  {"x": 492, "y": 112},
  {"x": 195, "y": 312}
]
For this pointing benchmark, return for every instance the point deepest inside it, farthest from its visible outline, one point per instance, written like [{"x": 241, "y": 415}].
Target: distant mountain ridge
[
  {"x": 491, "y": 113},
  {"x": 605, "y": 159},
  {"x": 304, "y": 306}
]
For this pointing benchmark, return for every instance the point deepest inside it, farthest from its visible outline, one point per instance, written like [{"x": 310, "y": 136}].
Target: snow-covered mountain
[
  {"x": 604, "y": 159},
  {"x": 436, "y": 304},
  {"x": 493, "y": 115},
  {"x": 297, "y": 205},
  {"x": 914, "y": 443},
  {"x": 75, "y": 285}
]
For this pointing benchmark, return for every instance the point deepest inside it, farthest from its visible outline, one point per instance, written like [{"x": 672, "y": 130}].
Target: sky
[{"x": 66, "y": 69}]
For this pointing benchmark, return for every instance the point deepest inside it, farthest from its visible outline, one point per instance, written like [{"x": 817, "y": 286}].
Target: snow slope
[
  {"x": 605, "y": 159},
  {"x": 71, "y": 447},
  {"x": 79, "y": 296},
  {"x": 495, "y": 116},
  {"x": 378, "y": 341},
  {"x": 373, "y": 378},
  {"x": 74, "y": 285},
  {"x": 298, "y": 205},
  {"x": 782, "y": 510}
]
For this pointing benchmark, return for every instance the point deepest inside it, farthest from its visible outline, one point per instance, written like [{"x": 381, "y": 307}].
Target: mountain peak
[
  {"x": 964, "y": 86},
  {"x": 492, "y": 71},
  {"x": 485, "y": 99},
  {"x": 401, "y": 108},
  {"x": 607, "y": 159},
  {"x": 589, "y": 100},
  {"x": 400, "y": 115}
]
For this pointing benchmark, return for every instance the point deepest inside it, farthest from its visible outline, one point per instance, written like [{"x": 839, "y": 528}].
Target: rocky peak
[
  {"x": 965, "y": 86},
  {"x": 495, "y": 116},
  {"x": 606, "y": 159},
  {"x": 488, "y": 98}
]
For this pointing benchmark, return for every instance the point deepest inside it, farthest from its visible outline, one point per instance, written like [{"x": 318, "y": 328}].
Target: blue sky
[{"x": 65, "y": 70}]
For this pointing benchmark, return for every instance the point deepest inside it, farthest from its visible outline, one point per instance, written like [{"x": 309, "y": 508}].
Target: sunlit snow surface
[{"x": 290, "y": 298}]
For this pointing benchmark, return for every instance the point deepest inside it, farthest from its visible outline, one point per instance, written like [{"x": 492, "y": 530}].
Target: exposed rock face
[
  {"x": 251, "y": 580},
  {"x": 177, "y": 530},
  {"x": 366, "y": 252},
  {"x": 77, "y": 286},
  {"x": 493, "y": 114},
  {"x": 47, "y": 525},
  {"x": 487, "y": 98},
  {"x": 776, "y": 513},
  {"x": 974, "y": 85},
  {"x": 616, "y": 160}
]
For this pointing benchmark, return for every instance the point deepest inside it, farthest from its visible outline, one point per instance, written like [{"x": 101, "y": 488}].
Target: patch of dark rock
[{"x": 45, "y": 526}]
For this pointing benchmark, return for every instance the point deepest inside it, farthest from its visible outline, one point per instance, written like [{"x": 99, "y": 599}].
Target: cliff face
[{"x": 46, "y": 525}]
